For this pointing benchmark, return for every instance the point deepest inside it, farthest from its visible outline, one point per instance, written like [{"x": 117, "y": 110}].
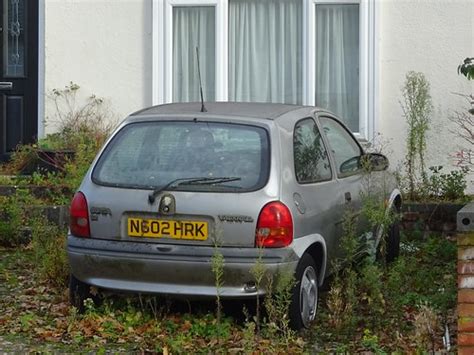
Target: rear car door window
[
  {"x": 310, "y": 155},
  {"x": 344, "y": 148}
]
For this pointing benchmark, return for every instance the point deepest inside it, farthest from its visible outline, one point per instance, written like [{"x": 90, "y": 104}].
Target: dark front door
[{"x": 18, "y": 74}]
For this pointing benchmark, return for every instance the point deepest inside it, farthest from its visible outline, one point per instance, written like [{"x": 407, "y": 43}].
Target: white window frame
[
  {"x": 366, "y": 60},
  {"x": 163, "y": 47},
  {"x": 162, "y": 80}
]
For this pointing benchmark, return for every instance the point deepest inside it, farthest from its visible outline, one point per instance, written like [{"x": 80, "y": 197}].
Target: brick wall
[{"x": 465, "y": 225}]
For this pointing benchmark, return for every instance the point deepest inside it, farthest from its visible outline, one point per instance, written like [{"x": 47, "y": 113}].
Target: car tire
[
  {"x": 78, "y": 292},
  {"x": 304, "y": 302},
  {"x": 393, "y": 242}
]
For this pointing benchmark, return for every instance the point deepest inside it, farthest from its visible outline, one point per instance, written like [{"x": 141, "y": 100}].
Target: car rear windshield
[{"x": 197, "y": 156}]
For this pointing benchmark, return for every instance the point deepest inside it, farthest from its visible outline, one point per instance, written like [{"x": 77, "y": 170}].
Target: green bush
[
  {"x": 448, "y": 187},
  {"x": 49, "y": 246},
  {"x": 82, "y": 128},
  {"x": 11, "y": 220},
  {"x": 417, "y": 107}
]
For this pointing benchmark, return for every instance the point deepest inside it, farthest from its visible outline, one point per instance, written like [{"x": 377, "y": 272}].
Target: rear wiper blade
[
  {"x": 156, "y": 192},
  {"x": 210, "y": 181},
  {"x": 190, "y": 181}
]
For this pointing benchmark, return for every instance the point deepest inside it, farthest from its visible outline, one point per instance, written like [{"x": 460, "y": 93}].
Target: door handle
[
  {"x": 348, "y": 197},
  {"x": 6, "y": 85}
]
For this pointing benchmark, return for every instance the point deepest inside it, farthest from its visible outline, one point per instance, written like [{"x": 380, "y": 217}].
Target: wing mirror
[{"x": 374, "y": 162}]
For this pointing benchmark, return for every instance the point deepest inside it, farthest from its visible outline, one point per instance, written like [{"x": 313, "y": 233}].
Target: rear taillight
[
  {"x": 79, "y": 213},
  {"x": 274, "y": 226}
]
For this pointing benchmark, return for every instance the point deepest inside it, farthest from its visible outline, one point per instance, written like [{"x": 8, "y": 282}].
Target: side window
[
  {"x": 310, "y": 155},
  {"x": 343, "y": 146}
]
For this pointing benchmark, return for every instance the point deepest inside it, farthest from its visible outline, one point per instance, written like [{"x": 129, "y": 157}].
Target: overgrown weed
[
  {"x": 217, "y": 267},
  {"x": 419, "y": 184},
  {"x": 83, "y": 127},
  {"x": 417, "y": 107},
  {"x": 11, "y": 221},
  {"x": 258, "y": 271},
  {"x": 367, "y": 296},
  {"x": 49, "y": 246},
  {"x": 277, "y": 304},
  {"x": 415, "y": 296}
]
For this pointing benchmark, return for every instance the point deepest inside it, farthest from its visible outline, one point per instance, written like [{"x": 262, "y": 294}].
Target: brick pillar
[{"x": 465, "y": 227}]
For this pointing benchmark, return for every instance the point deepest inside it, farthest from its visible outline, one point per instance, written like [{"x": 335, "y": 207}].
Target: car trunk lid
[{"x": 177, "y": 217}]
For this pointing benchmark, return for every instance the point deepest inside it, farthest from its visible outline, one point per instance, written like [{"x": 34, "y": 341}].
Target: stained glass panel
[{"x": 14, "y": 38}]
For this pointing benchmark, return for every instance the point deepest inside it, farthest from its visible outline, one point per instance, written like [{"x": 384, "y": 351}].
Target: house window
[
  {"x": 193, "y": 27},
  {"x": 265, "y": 51},
  {"x": 337, "y": 61},
  {"x": 311, "y": 52}
]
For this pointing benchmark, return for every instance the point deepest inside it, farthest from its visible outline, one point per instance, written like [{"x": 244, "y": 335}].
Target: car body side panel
[
  {"x": 350, "y": 192},
  {"x": 303, "y": 244},
  {"x": 393, "y": 195},
  {"x": 316, "y": 207},
  {"x": 352, "y": 187}
]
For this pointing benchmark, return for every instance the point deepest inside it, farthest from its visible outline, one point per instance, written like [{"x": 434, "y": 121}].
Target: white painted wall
[
  {"x": 104, "y": 46},
  {"x": 433, "y": 37}
]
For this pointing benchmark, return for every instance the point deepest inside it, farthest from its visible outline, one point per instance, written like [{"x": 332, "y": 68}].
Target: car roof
[{"x": 269, "y": 111}]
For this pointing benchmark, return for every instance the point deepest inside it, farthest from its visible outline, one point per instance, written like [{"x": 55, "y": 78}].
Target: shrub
[
  {"x": 88, "y": 123},
  {"x": 427, "y": 326},
  {"x": 217, "y": 267},
  {"x": 49, "y": 246},
  {"x": 417, "y": 108},
  {"x": 464, "y": 129},
  {"x": 277, "y": 304},
  {"x": 371, "y": 288},
  {"x": 11, "y": 219},
  {"x": 447, "y": 187},
  {"x": 83, "y": 129}
]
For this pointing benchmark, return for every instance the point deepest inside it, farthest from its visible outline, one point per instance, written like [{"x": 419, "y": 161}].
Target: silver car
[{"x": 174, "y": 184}]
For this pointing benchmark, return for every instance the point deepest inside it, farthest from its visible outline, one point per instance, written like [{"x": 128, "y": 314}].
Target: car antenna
[{"x": 203, "y": 109}]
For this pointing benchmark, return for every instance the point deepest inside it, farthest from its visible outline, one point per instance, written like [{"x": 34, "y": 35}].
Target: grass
[
  {"x": 420, "y": 284},
  {"x": 401, "y": 298}
]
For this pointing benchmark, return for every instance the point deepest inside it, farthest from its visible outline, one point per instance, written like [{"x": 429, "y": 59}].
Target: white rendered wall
[
  {"x": 433, "y": 37},
  {"x": 104, "y": 46}
]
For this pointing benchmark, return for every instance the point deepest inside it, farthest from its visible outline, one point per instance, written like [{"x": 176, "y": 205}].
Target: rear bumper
[{"x": 179, "y": 270}]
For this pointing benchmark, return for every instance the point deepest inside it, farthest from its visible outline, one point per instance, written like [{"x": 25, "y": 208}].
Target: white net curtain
[
  {"x": 265, "y": 53},
  {"x": 193, "y": 26},
  {"x": 337, "y": 61}
]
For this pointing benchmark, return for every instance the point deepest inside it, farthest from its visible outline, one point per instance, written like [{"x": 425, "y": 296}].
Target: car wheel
[
  {"x": 391, "y": 248},
  {"x": 393, "y": 242},
  {"x": 78, "y": 292},
  {"x": 304, "y": 302}
]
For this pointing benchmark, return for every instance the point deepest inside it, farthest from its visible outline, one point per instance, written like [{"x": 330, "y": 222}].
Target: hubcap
[{"x": 308, "y": 295}]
